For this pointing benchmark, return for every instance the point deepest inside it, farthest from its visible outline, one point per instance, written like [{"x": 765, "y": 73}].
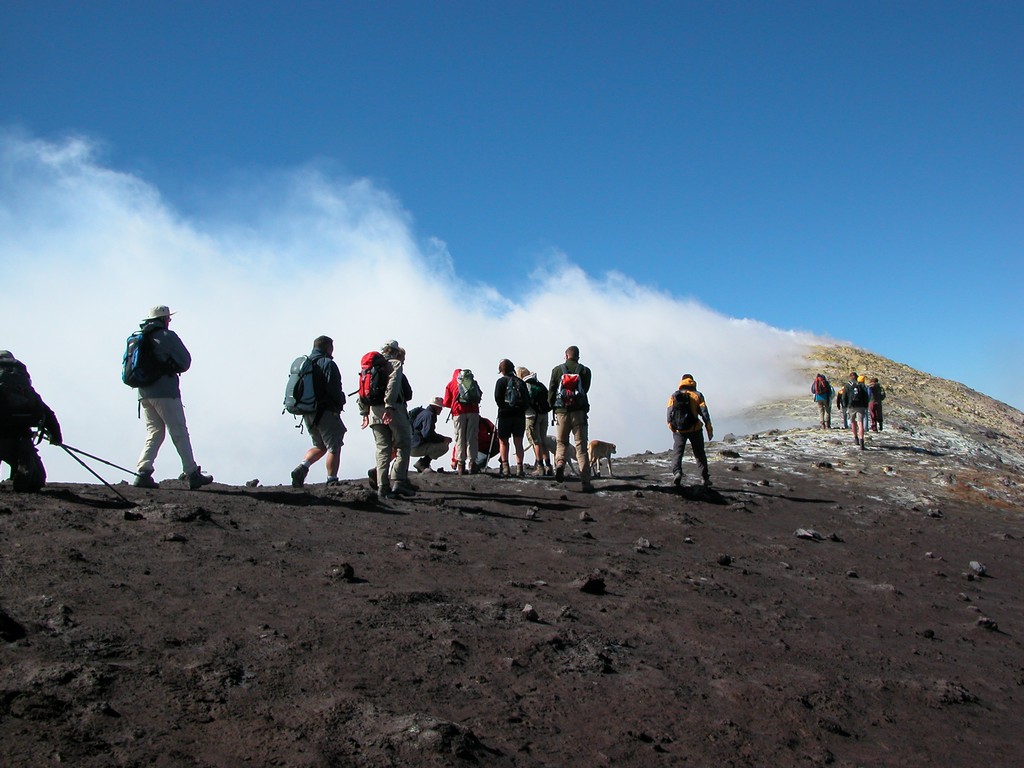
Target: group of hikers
[
  {"x": 155, "y": 357},
  {"x": 859, "y": 399}
]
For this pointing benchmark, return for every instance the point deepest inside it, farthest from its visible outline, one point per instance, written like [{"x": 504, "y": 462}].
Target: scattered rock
[
  {"x": 592, "y": 584},
  {"x": 132, "y": 516},
  {"x": 10, "y": 630},
  {"x": 764, "y": 483},
  {"x": 808, "y": 533},
  {"x": 252, "y": 483},
  {"x": 585, "y": 517},
  {"x": 344, "y": 571},
  {"x": 175, "y": 537},
  {"x": 986, "y": 623},
  {"x": 400, "y": 545},
  {"x": 725, "y": 560},
  {"x": 688, "y": 540},
  {"x": 928, "y": 633},
  {"x": 852, "y": 575},
  {"x": 440, "y": 546},
  {"x": 729, "y": 453},
  {"x": 638, "y": 494},
  {"x": 531, "y": 513},
  {"x": 835, "y": 537},
  {"x": 824, "y": 465},
  {"x": 641, "y": 544},
  {"x": 529, "y": 613},
  {"x": 978, "y": 568}
]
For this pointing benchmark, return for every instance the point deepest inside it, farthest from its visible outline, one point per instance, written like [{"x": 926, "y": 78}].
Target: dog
[{"x": 601, "y": 450}]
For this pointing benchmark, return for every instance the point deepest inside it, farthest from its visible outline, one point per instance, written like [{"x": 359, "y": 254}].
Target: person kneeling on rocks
[
  {"x": 426, "y": 442},
  {"x": 23, "y": 415}
]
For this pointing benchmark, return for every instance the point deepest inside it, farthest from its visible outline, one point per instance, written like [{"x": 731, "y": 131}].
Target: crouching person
[
  {"x": 426, "y": 442},
  {"x": 23, "y": 415}
]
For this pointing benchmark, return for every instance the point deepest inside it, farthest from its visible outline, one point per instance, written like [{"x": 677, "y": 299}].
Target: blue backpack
[{"x": 139, "y": 366}]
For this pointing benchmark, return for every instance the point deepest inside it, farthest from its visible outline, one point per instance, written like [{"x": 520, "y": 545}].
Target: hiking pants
[
  {"x": 696, "y": 439},
  {"x": 875, "y": 411},
  {"x": 825, "y": 412},
  {"x": 467, "y": 429},
  {"x": 162, "y": 415},
  {"x": 573, "y": 423}
]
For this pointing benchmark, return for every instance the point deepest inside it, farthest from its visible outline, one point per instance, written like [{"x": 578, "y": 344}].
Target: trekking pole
[
  {"x": 116, "y": 493},
  {"x": 108, "y": 463}
]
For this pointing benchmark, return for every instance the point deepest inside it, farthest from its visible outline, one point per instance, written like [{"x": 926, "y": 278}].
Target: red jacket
[{"x": 451, "y": 397}]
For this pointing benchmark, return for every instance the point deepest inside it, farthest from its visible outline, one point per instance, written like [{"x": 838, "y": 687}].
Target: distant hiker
[
  {"x": 382, "y": 404},
  {"x": 324, "y": 424},
  {"x": 567, "y": 396},
  {"x": 463, "y": 396},
  {"x": 856, "y": 398},
  {"x": 876, "y": 394},
  {"x": 160, "y": 399},
  {"x": 426, "y": 442},
  {"x": 841, "y": 405},
  {"x": 537, "y": 421},
  {"x": 511, "y": 396},
  {"x": 24, "y": 418},
  {"x": 822, "y": 391},
  {"x": 687, "y": 415}
]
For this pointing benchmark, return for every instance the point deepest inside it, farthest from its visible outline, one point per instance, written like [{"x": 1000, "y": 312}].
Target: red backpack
[
  {"x": 373, "y": 378},
  {"x": 820, "y": 386}
]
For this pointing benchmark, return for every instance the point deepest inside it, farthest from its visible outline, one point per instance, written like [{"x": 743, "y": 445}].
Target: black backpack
[
  {"x": 20, "y": 406},
  {"x": 857, "y": 394},
  {"x": 684, "y": 411},
  {"x": 516, "y": 396}
]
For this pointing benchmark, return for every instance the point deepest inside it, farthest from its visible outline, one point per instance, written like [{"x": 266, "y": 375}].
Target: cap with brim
[
  {"x": 391, "y": 345},
  {"x": 5, "y": 355},
  {"x": 437, "y": 401},
  {"x": 159, "y": 311}
]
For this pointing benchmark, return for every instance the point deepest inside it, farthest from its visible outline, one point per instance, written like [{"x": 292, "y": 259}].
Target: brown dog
[{"x": 601, "y": 450}]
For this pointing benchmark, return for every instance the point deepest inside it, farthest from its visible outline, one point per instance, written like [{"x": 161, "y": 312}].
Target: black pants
[
  {"x": 696, "y": 440},
  {"x": 27, "y": 472}
]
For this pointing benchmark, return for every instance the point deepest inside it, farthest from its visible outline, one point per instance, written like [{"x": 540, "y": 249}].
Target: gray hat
[
  {"x": 158, "y": 312},
  {"x": 390, "y": 346}
]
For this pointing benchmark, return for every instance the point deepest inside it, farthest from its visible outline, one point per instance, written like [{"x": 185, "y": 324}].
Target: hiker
[
  {"x": 855, "y": 397},
  {"x": 462, "y": 396},
  {"x": 822, "y": 391},
  {"x": 389, "y": 421},
  {"x": 24, "y": 418},
  {"x": 841, "y": 405},
  {"x": 876, "y": 394},
  {"x": 324, "y": 425},
  {"x": 567, "y": 397},
  {"x": 160, "y": 402},
  {"x": 426, "y": 442},
  {"x": 537, "y": 422},
  {"x": 511, "y": 396},
  {"x": 687, "y": 415}
]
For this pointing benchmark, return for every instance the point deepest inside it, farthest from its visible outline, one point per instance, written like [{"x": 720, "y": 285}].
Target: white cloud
[{"x": 85, "y": 250}]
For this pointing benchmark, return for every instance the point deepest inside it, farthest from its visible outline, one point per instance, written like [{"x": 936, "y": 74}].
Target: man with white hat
[{"x": 160, "y": 402}]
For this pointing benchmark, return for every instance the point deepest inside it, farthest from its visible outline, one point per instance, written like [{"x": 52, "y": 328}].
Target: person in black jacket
[
  {"x": 511, "y": 397},
  {"x": 23, "y": 414},
  {"x": 325, "y": 427}
]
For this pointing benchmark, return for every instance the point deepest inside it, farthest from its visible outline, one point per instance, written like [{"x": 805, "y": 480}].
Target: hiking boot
[
  {"x": 503, "y": 470},
  {"x": 403, "y": 488},
  {"x": 197, "y": 479},
  {"x": 371, "y": 475},
  {"x": 560, "y": 473},
  {"x": 474, "y": 468},
  {"x": 461, "y": 469},
  {"x": 145, "y": 480},
  {"x": 862, "y": 445},
  {"x": 707, "y": 482},
  {"x": 299, "y": 476},
  {"x": 422, "y": 465},
  {"x": 677, "y": 478},
  {"x": 520, "y": 472},
  {"x": 331, "y": 481},
  {"x": 587, "y": 487},
  {"x": 549, "y": 471},
  {"x": 384, "y": 493}
]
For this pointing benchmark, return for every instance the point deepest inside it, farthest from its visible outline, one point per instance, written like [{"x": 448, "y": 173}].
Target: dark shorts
[{"x": 511, "y": 424}]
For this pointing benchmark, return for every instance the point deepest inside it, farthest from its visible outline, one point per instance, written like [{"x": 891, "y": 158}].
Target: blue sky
[{"x": 853, "y": 170}]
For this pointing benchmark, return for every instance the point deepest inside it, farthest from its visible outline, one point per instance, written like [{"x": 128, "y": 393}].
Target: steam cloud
[{"x": 86, "y": 250}]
